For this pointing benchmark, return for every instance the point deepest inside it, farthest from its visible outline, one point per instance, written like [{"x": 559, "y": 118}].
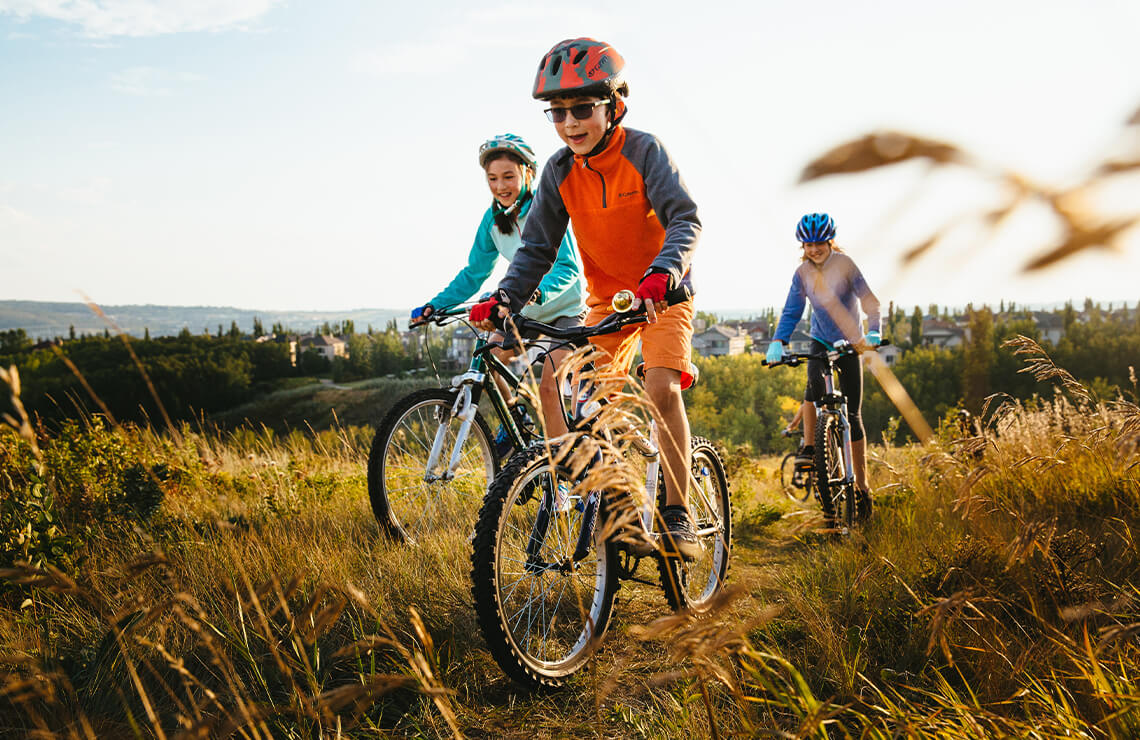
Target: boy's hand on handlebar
[
  {"x": 873, "y": 338},
  {"x": 775, "y": 352},
  {"x": 489, "y": 314},
  {"x": 651, "y": 294}
]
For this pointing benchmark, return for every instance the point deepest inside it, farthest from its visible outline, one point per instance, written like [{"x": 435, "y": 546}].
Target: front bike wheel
[
  {"x": 788, "y": 473},
  {"x": 830, "y": 470},
  {"x": 541, "y": 609},
  {"x": 410, "y": 500},
  {"x": 692, "y": 585}
]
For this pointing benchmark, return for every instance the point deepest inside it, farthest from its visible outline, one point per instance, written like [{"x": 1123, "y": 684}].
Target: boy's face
[{"x": 581, "y": 136}]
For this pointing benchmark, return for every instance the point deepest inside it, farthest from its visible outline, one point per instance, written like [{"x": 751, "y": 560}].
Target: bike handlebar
[
  {"x": 792, "y": 359},
  {"x": 577, "y": 334},
  {"x": 440, "y": 315}
]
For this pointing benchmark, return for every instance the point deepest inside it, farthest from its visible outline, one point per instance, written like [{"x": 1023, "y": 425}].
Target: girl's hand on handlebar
[{"x": 421, "y": 314}]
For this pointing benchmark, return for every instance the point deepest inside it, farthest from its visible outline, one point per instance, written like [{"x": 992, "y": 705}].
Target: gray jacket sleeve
[
  {"x": 675, "y": 209},
  {"x": 541, "y": 239}
]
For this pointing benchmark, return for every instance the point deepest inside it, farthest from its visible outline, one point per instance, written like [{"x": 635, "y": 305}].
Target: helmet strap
[{"x": 614, "y": 120}]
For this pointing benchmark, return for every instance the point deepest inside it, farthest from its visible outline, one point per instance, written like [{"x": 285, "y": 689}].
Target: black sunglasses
[{"x": 581, "y": 111}]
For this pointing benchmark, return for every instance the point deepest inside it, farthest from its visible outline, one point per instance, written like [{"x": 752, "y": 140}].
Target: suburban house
[
  {"x": 326, "y": 345},
  {"x": 1050, "y": 324},
  {"x": 890, "y": 354},
  {"x": 721, "y": 340},
  {"x": 943, "y": 334}
]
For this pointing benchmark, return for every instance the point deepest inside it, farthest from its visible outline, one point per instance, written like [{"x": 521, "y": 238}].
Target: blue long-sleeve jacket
[
  {"x": 836, "y": 290},
  {"x": 562, "y": 289}
]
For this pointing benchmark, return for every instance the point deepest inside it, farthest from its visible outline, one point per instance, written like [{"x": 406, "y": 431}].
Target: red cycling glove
[
  {"x": 653, "y": 287},
  {"x": 482, "y": 311}
]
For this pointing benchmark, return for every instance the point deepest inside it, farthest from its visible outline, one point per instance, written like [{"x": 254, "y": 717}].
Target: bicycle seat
[{"x": 688, "y": 380}]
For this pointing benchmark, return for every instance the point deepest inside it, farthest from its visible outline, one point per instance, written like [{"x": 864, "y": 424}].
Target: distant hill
[{"x": 43, "y": 320}]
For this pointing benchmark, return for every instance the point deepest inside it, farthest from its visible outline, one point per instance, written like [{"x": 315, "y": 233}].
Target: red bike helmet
[{"x": 580, "y": 67}]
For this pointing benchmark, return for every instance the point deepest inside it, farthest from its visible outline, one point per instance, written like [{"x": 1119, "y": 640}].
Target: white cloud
[
  {"x": 150, "y": 81},
  {"x": 105, "y": 18}
]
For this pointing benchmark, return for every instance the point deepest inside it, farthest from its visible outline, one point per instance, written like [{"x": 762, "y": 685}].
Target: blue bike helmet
[{"x": 816, "y": 227}]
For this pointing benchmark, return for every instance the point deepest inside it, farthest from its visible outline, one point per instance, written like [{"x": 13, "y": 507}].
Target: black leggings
[{"x": 850, "y": 375}]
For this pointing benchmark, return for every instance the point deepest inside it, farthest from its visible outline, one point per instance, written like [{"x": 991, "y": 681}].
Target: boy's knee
[{"x": 663, "y": 385}]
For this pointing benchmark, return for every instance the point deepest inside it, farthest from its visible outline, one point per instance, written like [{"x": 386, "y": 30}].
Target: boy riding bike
[
  {"x": 833, "y": 283},
  {"x": 509, "y": 164},
  {"x": 635, "y": 224}
]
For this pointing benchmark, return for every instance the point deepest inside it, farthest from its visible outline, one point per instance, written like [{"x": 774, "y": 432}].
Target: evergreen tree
[
  {"x": 978, "y": 359},
  {"x": 235, "y": 332},
  {"x": 258, "y": 329},
  {"x": 916, "y": 327},
  {"x": 146, "y": 333},
  {"x": 71, "y": 332}
]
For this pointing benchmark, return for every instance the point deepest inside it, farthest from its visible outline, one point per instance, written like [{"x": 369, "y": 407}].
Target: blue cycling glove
[
  {"x": 873, "y": 338},
  {"x": 421, "y": 313},
  {"x": 775, "y": 352}
]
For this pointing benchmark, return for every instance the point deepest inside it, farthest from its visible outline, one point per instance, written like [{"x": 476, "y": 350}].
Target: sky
[{"x": 323, "y": 155}]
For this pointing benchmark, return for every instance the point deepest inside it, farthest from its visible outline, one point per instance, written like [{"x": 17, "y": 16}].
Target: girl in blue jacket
[
  {"x": 510, "y": 166},
  {"x": 831, "y": 281}
]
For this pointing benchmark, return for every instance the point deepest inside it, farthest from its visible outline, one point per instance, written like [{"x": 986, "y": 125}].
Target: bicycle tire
[
  {"x": 541, "y": 621},
  {"x": 829, "y": 468},
  {"x": 693, "y": 585},
  {"x": 799, "y": 494},
  {"x": 407, "y": 506}
]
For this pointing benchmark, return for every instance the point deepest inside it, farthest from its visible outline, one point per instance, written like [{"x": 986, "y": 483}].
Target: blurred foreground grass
[{"x": 236, "y": 584}]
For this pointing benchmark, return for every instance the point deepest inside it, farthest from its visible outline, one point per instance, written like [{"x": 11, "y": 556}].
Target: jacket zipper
[{"x": 586, "y": 164}]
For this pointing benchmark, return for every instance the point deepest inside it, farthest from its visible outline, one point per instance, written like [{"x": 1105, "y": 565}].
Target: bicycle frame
[
  {"x": 835, "y": 404},
  {"x": 470, "y": 385}
]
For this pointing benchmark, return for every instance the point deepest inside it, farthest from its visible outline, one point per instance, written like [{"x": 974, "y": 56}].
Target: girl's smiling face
[
  {"x": 581, "y": 136},
  {"x": 505, "y": 179},
  {"x": 817, "y": 252}
]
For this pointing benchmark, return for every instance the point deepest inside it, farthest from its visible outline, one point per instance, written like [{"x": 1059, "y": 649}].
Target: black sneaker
[
  {"x": 805, "y": 457},
  {"x": 678, "y": 537}
]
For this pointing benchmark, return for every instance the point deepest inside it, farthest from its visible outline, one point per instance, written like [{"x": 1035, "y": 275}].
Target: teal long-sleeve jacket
[{"x": 562, "y": 290}]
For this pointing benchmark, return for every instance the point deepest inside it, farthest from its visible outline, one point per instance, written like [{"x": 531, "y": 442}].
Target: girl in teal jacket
[{"x": 510, "y": 167}]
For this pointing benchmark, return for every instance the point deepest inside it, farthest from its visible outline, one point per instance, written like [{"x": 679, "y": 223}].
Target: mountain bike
[
  {"x": 798, "y": 483},
  {"x": 843, "y": 504},
  {"x": 559, "y": 529},
  {"x": 433, "y": 454}
]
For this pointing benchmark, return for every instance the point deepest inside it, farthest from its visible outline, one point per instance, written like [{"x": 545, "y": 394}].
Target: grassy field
[{"x": 217, "y": 584}]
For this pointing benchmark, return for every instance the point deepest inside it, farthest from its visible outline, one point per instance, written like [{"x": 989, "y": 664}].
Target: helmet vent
[
  {"x": 555, "y": 65},
  {"x": 579, "y": 55}
]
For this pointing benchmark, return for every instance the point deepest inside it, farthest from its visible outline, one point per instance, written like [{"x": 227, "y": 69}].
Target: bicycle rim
[
  {"x": 796, "y": 493},
  {"x": 541, "y": 616},
  {"x": 412, "y": 502},
  {"x": 692, "y": 585}
]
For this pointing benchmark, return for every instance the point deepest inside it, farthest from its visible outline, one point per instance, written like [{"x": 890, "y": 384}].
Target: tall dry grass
[{"x": 993, "y": 595}]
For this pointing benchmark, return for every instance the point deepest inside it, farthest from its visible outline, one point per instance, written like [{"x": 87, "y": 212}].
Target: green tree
[
  {"x": 14, "y": 340},
  {"x": 978, "y": 359},
  {"x": 234, "y": 332},
  {"x": 258, "y": 329},
  {"x": 916, "y": 327}
]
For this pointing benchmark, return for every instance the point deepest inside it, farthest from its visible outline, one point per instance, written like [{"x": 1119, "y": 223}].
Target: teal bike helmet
[{"x": 508, "y": 143}]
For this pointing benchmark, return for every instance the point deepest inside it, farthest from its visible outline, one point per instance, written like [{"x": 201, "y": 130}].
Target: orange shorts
[{"x": 668, "y": 343}]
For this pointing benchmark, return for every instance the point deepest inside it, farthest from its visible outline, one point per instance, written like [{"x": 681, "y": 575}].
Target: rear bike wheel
[
  {"x": 788, "y": 475},
  {"x": 692, "y": 585},
  {"x": 409, "y": 500},
  {"x": 830, "y": 470},
  {"x": 542, "y": 612}
]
